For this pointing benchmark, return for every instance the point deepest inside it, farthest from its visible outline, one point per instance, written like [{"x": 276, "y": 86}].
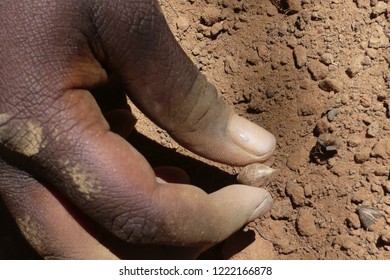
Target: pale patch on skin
[
  {"x": 31, "y": 232},
  {"x": 22, "y": 136},
  {"x": 4, "y": 117},
  {"x": 85, "y": 183}
]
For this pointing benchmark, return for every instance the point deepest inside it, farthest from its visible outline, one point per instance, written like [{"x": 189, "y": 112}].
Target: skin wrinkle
[
  {"x": 133, "y": 221},
  {"x": 143, "y": 39},
  {"x": 198, "y": 111},
  {"x": 182, "y": 99},
  {"x": 132, "y": 228},
  {"x": 101, "y": 21},
  {"x": 150, "y": 233}
]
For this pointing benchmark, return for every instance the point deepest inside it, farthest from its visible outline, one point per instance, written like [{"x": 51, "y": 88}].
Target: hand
[{"x": 64, "y": 173}]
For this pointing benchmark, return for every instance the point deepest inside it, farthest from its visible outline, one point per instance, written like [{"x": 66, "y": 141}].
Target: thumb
[{"x": 164, "y": 83}]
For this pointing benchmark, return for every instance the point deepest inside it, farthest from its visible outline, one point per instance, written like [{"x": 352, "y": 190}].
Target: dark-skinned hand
[{"x": 66, "y": 172}]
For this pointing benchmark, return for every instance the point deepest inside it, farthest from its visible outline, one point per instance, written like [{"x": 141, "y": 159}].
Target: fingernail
[
  {"x": 264, "y": 207},
  {"x": 253, "y": 138}
]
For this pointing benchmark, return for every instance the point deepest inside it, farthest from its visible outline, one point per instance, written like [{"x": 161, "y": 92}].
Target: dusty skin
[
  {"x": 320, "y": 67},
  {"x": 27, "y": 135}
]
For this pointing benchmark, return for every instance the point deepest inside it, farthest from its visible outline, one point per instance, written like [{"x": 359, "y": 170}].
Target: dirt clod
[
  {"x": 300, "y": 56},
  {"x": 282, "y": 210},
  {"x": 211, "y": 15},
  {"x": 296, "y": 194},
  {"x": 331, "y": 85},
  {"x": 379, "y": 9},
  {"x": 317, "y": 70},
  {"x": 305, "y": 223},
  {"x": 381, "y": 149},
  {"x": 327, "y": 58},
  {"x": 353, "y": 221}
]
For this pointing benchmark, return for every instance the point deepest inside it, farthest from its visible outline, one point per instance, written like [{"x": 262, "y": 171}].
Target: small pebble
[
  {"x": 327, "y": 58},
  {"x": 322, "y": 126},
  {"x": 230, "y": 66},
  {"x": 308, "y": 190},
  {"x": 354, "y": 69},
  {"x": 332, "y": 114},
  {"x": 216, "y": 29},
  {"x": 373, "y": 130},
  {"x": 328, "y": 142},
  {"x": 372, "y": 53},
  {"x": 196, "y": 51},
  {"x": 362, "y": 157},
  {"x": 182, "y": 24},
  {"x": 353, "y": 221},
  {"x": 308, "y": 109},
  {"x": 300, "y": 56}
]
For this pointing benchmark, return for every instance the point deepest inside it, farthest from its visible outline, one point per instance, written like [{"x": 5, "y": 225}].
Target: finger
[
  {"x": 58, "y": 231},
  {"x": 44, "y": 221},
  {"x": 208, "y": 219},
  {"x": 166, "y": 85}
]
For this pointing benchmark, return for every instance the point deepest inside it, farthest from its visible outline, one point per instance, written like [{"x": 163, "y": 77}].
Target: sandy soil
[{"x": 317, "y": 75}]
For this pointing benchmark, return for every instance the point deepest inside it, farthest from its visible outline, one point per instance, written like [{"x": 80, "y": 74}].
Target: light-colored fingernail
[
  {"x": 253, "y": 138},
  {"x": 264, "y": 207}
]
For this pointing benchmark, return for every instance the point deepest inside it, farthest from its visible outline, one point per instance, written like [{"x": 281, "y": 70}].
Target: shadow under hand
[{"x": 209, "y": 178}]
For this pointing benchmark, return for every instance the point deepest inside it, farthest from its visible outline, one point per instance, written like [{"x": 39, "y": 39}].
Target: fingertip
[
  {"x": 243, "y": 203},
  {"x": 264, "y": 207},
  {"x": 251, "y": 137}
]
